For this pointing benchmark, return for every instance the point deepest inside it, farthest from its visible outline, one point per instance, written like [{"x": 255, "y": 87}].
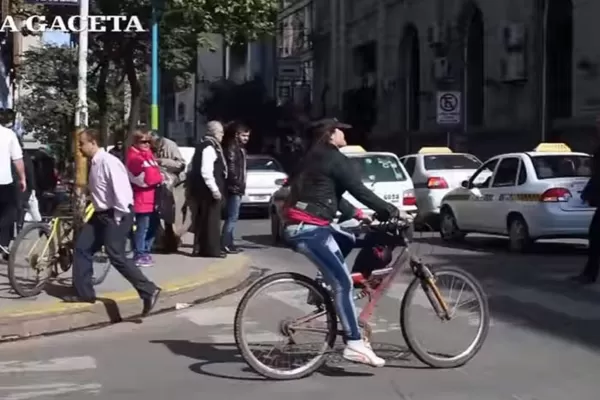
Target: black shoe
[
  {"x": 231, "y": 250},
  {"x": 583, "y": 279},
  {"x": 77, "y": 299},
  {"x": 150, "y": 302}
]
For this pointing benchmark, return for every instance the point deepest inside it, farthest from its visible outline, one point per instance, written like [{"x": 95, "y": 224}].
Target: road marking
[
  {"x": 552, "y": 301},
  {"x": 210, "y": 316},
  {"x": 250, "y": 338},
  {"x": 53, "y": 365},
  {"x": 46, "y": 390}
]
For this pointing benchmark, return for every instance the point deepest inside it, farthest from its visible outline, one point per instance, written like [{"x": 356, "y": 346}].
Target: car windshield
[
  {"x": 264, "y": 164},
  {"x": 378, "y": 168},
  {"x": 562, "y": 166},
  {"x": 451, "y": 161}
]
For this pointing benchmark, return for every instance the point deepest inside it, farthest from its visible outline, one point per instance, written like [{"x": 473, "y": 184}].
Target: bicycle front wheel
[
  {"x": 305, "y": 309},
  {"x": 33, "y": 251},
  {"x": 424, "y": 296}
]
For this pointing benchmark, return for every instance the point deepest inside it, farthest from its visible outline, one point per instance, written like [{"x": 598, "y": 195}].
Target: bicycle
[
  {"x": 56, "y": 256},
  {"x": 373, "y": 285}
]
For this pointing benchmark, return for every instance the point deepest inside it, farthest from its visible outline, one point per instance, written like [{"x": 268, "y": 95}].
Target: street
[{"x": 543, "y": 342}]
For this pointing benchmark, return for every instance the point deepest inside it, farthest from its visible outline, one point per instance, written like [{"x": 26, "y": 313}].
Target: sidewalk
[{"x": 182, "y": 278}]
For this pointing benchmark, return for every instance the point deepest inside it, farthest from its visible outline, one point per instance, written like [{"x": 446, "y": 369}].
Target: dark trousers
[
  {"x": 592, "y": 266},
  {"x": 8, "y": 210},
  {"x": 207, "y": 232},
  {"x": 103, "y": 230}
]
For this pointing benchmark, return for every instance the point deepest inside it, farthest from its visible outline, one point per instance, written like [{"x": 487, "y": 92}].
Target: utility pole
[
  {"x": 81, "y": 115},
  {"x": 154, "y": 69}
]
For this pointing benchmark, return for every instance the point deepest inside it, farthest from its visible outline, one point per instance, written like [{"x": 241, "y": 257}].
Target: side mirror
[{"x": 465, "y": 184}]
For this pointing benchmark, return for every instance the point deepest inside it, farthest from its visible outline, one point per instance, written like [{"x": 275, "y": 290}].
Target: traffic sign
[{"x": 448, "y": 108}]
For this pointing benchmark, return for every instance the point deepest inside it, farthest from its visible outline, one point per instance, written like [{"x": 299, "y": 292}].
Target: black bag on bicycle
[{"x": 370, "y": 259}]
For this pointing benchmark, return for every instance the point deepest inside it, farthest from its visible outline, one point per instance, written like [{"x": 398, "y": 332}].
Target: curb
[{"x": 55, "y": 316}]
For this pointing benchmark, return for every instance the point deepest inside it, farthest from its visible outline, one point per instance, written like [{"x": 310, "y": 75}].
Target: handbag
[{"x": 164, "y": 203}]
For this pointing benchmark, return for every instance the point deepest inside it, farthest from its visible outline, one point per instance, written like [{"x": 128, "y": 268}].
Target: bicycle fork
[{"x": 433, "y": 293}]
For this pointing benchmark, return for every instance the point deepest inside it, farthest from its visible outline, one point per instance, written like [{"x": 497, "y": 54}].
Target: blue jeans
[
  {"x": 233, "y": 213},
  {"x": 145, "y": 233},
  {"x": 327, "y": 247}
]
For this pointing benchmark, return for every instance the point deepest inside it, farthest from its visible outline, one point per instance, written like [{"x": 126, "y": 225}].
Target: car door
[
  {"x": 504, "y": 183},
  {"x": 469, "y": 213}
]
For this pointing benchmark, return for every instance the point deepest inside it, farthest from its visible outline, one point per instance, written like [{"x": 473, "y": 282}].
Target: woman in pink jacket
[{"x": 145, "y": 177}]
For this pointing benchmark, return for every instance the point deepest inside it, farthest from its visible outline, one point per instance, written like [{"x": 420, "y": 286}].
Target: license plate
[{"x": 259, "y": 198}]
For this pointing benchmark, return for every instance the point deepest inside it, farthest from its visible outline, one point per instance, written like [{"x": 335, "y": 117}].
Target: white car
[
  {"x": 435, "y": 171},
  {"x": 381, "y": 172},
  {"x": 264, "y": 177},
  {"x": 525, "y": 196}
]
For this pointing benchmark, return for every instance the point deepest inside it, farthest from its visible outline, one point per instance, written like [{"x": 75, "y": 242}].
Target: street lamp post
[{"x": 154, "y": 68}]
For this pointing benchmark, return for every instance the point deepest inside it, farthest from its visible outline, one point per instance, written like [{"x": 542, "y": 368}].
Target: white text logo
[{"x": 74, "y": 24}]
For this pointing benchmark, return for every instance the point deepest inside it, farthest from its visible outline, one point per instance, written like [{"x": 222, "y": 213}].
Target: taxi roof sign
[
  {"x": 552, "y": 148},
  {"x": 353, "y": 149},
  {"x": 435, "y": 150}
]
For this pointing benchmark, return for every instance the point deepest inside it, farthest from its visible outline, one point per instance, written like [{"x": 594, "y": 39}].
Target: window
[
  {"x": 378, "y": 168},
  {"x": 451, "y": 161},
  {"x": 506, "y": 174},
  {"x": 265, "y": 164},
  {"x": 562, "y": 166},
  {"x": 409, "y": 164},
  {"x": 482, "y": 177}
]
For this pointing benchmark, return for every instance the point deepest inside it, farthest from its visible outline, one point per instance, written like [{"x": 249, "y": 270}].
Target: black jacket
[
  {"x": 235, "y": 155},
  {"x": 324, "y": 176},
  {"x": 198, "y": 187},
  {"x": 591, "y": 192}
]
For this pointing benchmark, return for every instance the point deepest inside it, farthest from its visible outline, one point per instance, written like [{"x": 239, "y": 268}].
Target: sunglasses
[{"x": 144, "y": 141}]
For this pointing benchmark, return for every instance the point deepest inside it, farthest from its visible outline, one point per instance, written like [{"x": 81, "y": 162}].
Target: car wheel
[
  {"x": 519, "y": 240},
  {"x": 275, "y": 228},
  {"x": 449, "y": 230}
]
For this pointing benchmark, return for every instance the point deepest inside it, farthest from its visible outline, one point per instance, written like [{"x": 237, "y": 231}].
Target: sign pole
[
  {"x": 154, "y": 69},
  {"x": 81, "y": 116}
]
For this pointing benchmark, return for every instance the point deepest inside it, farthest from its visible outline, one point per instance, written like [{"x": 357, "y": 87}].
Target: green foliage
[{"x": 49, "y": 95}]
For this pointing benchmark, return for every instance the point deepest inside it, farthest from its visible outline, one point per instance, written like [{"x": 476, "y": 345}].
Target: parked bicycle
[
  {"x": 372, "y": 285},
  {"x": 55, "y": 256}
]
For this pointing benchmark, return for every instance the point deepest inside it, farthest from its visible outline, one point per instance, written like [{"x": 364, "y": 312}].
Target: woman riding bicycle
[{"x": 315, "y": 197}]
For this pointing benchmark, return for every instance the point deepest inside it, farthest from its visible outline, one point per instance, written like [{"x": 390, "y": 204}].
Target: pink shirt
[{"x": 109, "y": 183}]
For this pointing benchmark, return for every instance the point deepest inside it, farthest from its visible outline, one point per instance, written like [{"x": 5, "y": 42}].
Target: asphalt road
[{"x": 543, "y": 343}]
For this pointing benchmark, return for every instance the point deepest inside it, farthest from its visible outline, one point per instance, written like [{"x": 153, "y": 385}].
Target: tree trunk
[
  {"x": 103, "y": 101},
  {"x": 136, "y": 94}
]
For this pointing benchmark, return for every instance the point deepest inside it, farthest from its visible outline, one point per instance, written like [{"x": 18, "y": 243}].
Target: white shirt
[
  {"x": 109, "y": 184},
  {"x": 209, "y": 156},
  {"x": 10, "y": 150}
]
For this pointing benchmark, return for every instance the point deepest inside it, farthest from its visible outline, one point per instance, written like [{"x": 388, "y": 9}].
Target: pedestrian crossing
[
  {"x": 217, "y": 322},
  {"x": 31, "y": 372}
]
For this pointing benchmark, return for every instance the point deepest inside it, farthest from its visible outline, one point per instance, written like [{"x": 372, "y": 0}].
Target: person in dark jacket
[
  {"x": 237, "y": 136},
  {"x": 207, "y": 179},
  {"x": 118, "y": 150},
  {"x": 23, "y": 203},
  {"x": 591, "y": 195},
  {"x": 315, "y": 197}
]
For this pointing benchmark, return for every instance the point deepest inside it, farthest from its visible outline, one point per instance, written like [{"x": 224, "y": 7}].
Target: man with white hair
[{"x": 206, "y": 181}]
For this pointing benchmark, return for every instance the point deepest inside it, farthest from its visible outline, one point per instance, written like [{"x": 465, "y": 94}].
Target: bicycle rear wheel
[
  {"x": 287, "y": 328},
  {"x": 39, "y": 259},
  {"x": 460, "y": 281}
]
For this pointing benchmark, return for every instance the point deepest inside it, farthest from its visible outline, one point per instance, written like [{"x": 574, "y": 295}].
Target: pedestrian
[
  {"x": 207, "y": 187},
  {"x": 237, "y": 136},
  {"x": 172, "y": 165},
  {"x": 118, "y": 150},
  {"x": 11, "y": 155},
  {"x": 27, "y": 202},
  {"x": 591, "y": 195},
  {"x": 112, "y": 197},
  {"x": 145, "y": 177}
]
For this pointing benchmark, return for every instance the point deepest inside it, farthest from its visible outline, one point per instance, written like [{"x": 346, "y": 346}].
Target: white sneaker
[{"x": 359, "y": 352}]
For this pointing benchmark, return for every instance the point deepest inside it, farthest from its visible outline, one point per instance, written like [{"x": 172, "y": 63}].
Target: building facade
[
  {"x": 294, "y": 58},
  {"x": 525, "y": 71}
]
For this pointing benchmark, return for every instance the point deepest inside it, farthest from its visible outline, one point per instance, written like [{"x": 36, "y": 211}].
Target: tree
[
  {"x": 184, "y": 25},
  {"x": 48, "y": 75}
]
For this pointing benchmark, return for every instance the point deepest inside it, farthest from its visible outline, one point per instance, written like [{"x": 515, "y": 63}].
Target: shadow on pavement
[
  {"x": 533, "y": 290},
  {"x": 213, "y": 358},
  {"x": 262, "y": 240}
]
